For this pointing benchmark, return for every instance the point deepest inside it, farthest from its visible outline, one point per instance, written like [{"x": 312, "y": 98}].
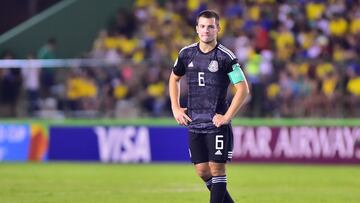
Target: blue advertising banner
[
  {"x": 118, "y": 144},
  {"x": 169, "y": 144},
  {"x": 73, "y": 144},
  {"x": 141, "y": 144},
  {"x": 14, "y": 142}
]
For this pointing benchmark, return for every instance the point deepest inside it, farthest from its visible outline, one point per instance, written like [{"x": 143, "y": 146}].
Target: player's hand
[
  {"x": 181, "y": 117},
  {"x": 219, "y": 120}
]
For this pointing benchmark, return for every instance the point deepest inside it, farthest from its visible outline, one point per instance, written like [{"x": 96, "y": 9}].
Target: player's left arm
[{"x": 242, "y": 90}]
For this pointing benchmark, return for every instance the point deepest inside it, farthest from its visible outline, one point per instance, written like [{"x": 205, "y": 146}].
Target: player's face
[{"x": 207, "y": 29}]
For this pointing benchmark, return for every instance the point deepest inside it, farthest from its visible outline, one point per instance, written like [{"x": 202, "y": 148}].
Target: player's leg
[
  {"x": 199, "y": 156},
  {"x": 203, "y": 171},
  {"x": 219, "y": 183},
  {"x": 220, "y": 151}
]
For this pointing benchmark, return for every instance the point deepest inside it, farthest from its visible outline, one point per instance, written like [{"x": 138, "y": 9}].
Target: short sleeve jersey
[{"x": 208, "y": 81}]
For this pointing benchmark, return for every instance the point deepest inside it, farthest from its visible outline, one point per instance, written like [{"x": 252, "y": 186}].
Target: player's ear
[{"x": 197, "y": 30}]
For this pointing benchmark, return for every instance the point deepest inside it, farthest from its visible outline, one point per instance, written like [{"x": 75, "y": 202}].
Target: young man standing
[{"x": 209, "y": 69}]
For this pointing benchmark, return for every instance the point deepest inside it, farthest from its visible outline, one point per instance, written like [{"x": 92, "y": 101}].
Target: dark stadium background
[{"x": 14, "y": 12}]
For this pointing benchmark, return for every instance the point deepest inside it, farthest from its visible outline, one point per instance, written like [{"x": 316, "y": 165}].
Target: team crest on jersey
[{"x": 213, "y": 66}]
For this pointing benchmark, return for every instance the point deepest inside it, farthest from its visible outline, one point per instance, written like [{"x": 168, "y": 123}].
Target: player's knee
[
  {"x": 203, "y": 173},
  {"x": 217, "y": 169}
]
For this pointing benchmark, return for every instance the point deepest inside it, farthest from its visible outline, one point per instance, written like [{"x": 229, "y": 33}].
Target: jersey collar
[{"x": 198, "y": 47}]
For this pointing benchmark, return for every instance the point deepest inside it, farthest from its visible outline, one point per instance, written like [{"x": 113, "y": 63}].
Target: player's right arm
[{"x": 174, "y": 91}]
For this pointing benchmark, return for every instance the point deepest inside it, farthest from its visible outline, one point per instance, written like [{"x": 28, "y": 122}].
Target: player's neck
[{"x": 207, "y": 47}]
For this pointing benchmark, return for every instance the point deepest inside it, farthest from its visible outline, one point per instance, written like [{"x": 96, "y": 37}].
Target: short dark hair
[{"x": 208, "y": 14}]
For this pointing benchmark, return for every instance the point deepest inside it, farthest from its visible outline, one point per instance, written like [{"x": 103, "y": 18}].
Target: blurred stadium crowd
[{"x": 301, "y": 58}]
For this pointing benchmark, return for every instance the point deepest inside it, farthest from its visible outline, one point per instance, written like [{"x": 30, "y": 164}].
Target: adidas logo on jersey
[
  {"x": 218, "y": 152},
  {"x": 191, "y": 64}
]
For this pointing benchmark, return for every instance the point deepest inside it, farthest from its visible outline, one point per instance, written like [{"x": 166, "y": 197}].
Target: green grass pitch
[{"x": 123, "y": 183}]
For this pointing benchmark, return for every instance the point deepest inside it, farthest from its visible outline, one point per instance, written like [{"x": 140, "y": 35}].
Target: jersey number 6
[
  {"x": 201, "y": 78},
  {"x": 219, "y": 142}
]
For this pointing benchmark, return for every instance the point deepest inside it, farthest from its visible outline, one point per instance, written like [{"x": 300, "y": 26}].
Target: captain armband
[{"x": 236, "y": 75}]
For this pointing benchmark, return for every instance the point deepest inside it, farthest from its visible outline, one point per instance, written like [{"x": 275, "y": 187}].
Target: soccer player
[{"x": 209, "y": 69}]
